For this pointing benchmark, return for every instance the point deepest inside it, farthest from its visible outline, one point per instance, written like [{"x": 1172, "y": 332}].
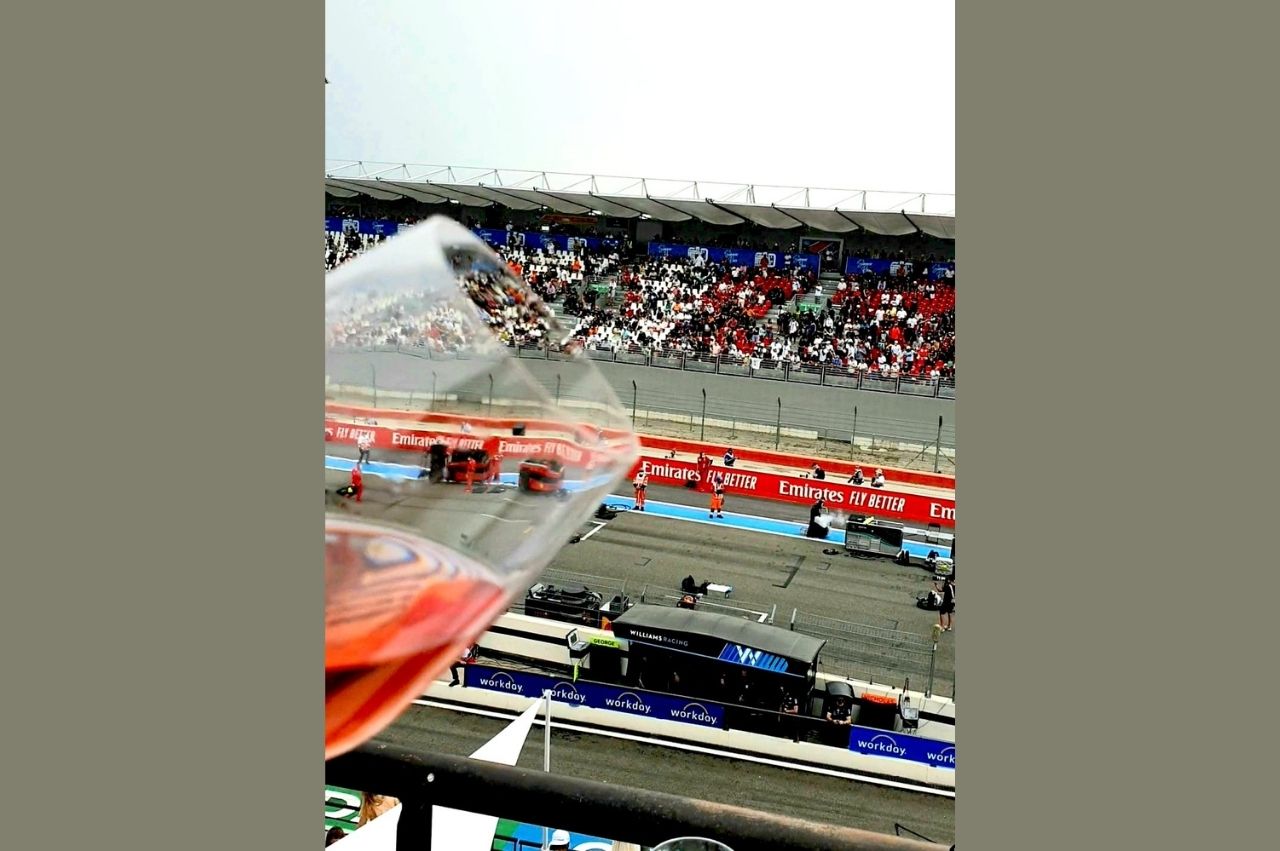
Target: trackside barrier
[
  {"x": 704, "y": 713},
  {"x": 897, "y": 505},
  {"x": 832, "y": 465}
]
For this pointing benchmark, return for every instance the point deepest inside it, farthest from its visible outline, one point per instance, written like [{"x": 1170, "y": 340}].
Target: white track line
[
  {"x": 598, "y": 526},
  {"x": 761, "y": 760}
]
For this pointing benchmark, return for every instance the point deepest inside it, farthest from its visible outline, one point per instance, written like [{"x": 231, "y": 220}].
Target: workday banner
[
  {"x": 866, "y": 740},
  {"x": 736, "y": 256},
  {"x": 597, "y": 696}
]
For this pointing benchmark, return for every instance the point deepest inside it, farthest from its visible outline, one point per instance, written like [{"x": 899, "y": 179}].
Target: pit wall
[
  {"x": 838, "y": 496},
  {"x": 546, "y": 641}
]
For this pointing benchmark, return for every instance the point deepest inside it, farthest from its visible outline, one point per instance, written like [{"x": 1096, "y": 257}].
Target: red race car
[
  {"x": 541, "y": 475},
  {"x": 456, "y": 469}
]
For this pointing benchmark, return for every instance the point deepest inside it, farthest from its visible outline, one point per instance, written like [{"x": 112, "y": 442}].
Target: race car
[
  {"x": 456, "y": 469},
  {"x": 541, "y": 475}
]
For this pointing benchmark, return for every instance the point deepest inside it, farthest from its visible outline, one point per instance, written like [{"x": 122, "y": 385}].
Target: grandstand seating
[{"x": 883, "y": 325}]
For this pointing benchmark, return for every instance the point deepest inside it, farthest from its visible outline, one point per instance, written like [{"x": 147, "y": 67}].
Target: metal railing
[
  {"x": 826, "y": 375},
  {"x": 423, "y": 780},
  {"x": 406, "y": 378}
]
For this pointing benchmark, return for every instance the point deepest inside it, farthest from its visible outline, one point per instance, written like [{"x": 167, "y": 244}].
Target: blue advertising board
[
  {"x": 493, "y": 236},
  {"x": 866, "y": 740},
  {"x": 596, "y": 696},
  {"x": 867, "y": 266},
  {"x": 532, "y": 239},
  {"x": 736, "y": 256},
  {"x": 380, "y": 227}
]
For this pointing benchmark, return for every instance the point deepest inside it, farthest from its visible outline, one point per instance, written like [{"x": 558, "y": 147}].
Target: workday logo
[
  {"x": 882, "y": 744},
  {"x": 628, "y": 701},
  {"x": 945, "y": 758},
  {"x": 752, "y": 658},
  {"x": 567, "y": 693},
  {"x": 693, "y": 712},
  {"x": 501, "y": 681}
]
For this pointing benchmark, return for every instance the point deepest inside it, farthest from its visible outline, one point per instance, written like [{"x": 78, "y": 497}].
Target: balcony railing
[{"x": 424, "y": 780}]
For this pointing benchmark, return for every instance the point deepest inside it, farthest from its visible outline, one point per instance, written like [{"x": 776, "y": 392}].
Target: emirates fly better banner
[{"x": 864, "y": 499}]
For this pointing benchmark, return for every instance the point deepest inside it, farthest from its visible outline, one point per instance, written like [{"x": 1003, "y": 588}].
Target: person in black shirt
[
  {"x": 946, "y": 614},
  {"x": 816, "y": 529}
]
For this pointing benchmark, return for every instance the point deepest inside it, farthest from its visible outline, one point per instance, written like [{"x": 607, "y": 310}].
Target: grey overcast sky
[{"x": 846, "y": 95}]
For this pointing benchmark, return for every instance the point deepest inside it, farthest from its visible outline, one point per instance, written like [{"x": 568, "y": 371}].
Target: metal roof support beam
[
  {"x": 363, "y": 190},
  {"x": 673, "y": 209},
  {"x": 856, "y": 227},
  {"x": 617, "y": 204},
  {"x": 446, "y": 189},
  {"x": 789, "y": 216},
  {"x": 711, "y": 203}
]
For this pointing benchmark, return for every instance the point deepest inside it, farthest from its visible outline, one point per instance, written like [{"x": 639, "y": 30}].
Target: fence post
[
  {"x": 433, "y": 389},
  {"x": 793, "y": 619},
  {"x": 557, "y": 388},
  {"x": 703, "y": 434},
  {"x": 374, "y": 370},
  {"x": 853, "y": 438},
  {"x": 928, "y": 691},
  {"x": 635, "y": 393},
  {"x": 777, "y": 440},
  {"x": 937, "y": 447},
  {"x": 491, "y": 394}
]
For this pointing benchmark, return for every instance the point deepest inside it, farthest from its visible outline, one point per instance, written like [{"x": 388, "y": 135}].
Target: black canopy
[{"x": 711, "y": 634}]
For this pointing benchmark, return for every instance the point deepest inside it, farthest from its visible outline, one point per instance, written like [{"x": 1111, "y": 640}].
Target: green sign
[
  {"x": 341, "y": 808},
  {"x": 602, "y": 641}
]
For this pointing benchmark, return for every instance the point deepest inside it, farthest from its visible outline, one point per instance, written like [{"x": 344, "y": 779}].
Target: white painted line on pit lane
[
  {"x": 761, "y": 760},
  {"x": 598, "y": 526}
]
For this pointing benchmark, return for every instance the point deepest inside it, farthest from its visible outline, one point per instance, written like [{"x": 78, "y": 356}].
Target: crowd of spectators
[
  {"x": 421, "y": 320},
  {"x": 889, "y": 325},
  {"x": 341, "y": 247},
  {"x": 689, "y": 305}
]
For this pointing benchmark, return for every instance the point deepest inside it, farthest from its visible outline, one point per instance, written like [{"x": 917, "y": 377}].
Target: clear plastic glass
[
  {"x": 692, "y": 843},
  {"x": 470, "y": 476}
]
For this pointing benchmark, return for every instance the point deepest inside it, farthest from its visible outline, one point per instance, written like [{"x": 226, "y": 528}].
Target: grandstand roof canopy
[{"x": 781, "y": 207}]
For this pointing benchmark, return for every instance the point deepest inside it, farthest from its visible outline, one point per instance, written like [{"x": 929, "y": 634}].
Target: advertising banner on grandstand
[
  {"x": 872, "y": 742},
  {"x": 531, "y": 240},
  {"x": 860, "y": 499},
  {"x": 736, "y": 256},
  {"x": 892, "y": 268},
  {"x": 492, "y": 236},
  {"x": 380, "y": 227},
  {"x": 597, "y": 696}
]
